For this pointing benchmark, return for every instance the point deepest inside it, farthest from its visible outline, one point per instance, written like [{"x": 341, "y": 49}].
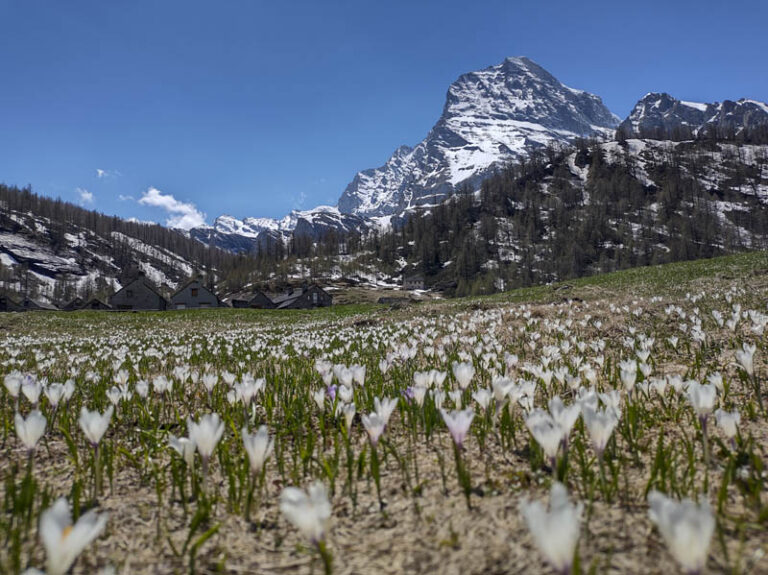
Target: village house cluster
[{"x": 141, "y": 295}]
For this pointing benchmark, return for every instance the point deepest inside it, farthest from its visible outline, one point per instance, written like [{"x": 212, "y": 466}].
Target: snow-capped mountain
[
  {"x": 251, "y": 234},
  {"x": 490, "y": 117},
  {"x": 662, "y": 116}
]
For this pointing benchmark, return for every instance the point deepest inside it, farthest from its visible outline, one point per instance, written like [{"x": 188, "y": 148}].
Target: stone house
[
  {"x": 139, "y": 294},
  {"x": 258, "y": 300},
  {"x": 37, "y": 305},
  {"x": 194, "y": 295},
  {"x": 304, "y": 298},
  {"x": 96, "y": 304},
  {"x": 8, "y": 304},
  {"x": 414, "y": 282}
]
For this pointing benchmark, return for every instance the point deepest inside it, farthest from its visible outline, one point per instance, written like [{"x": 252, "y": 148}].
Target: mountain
[
  {"x": 596, "y": 208},
  {"x": 491, "y": 117},
  {"x": 55, "y": 251},
  {"x": 660, "y": 116},
  {"x": 253, "y": 234},
  {"x": 675, "y": 180}
]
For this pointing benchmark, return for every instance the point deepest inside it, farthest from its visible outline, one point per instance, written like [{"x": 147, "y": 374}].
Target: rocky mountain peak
[{"x": 490, "y": 117}]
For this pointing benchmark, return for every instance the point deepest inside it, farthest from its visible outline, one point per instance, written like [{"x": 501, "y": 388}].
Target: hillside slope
[{"x": 54, "y": 251}]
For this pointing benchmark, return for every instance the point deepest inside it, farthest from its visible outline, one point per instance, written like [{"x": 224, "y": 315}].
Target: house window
[
  {"x": 314, "y": 297},
  {"x": 181, "y": 306},
  {"x": 194, "y": 292}
]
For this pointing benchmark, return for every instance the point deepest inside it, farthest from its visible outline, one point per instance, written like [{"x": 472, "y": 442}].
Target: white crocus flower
[
  {"x": 122, "y": 376},
  {"x": 258, "y": 446},
  {"x": 12, "y": 383},
  {"x": 600, "y": 425},
  {"x": 612, "y": 401},
  {"x": 702, "y": 398},
  {"x": 586, "y": 398},
  {"x": 184, "y": 447},
  {"x": 31, "y": 429},
  {"x": 419, "y": 393},
  {"x": 69, "y": 389},
  {"x": 458, "y": 423},
  {"x": 94, "y": 424},
  {"x": 32, "y": 388},
  {"x": 142, "y": 389},
  {"x": 545, "y": 431},
  {"x": 501, "y": 388},
  {"x": 308, "y": 511},
  {"x": 206, "y": 434},
  {"x": 162, "y": 384},
  {"x": 209, "y": 381},
  {"x": 658, "y": 385},
  {"x": 63, "y": 541},
  {"x": 438, "y": 396},
  {"x": 628, "y": 375},
  {"x": 55, "y": 393},
  {"x": 384, "y": 407},
  {"x": 686, "y": 528},
  {"x": 113, "y": 395},
  {"x": 349, "y": 411},
  {"x": 483, "y": 397},
  {"x": 716, "y": 379},
  {"x": 555, "y": 531},
  {"x": 319, "y": 398},
  {"x": 463, "y": 372},
  {"x": 677, "y": 383},
  {"x": 358, "y": 374},
  {"x": 455, "y": 397},
  {"x": 728, "y": 422},
  {"x": 345, "y": 393},
  {"x": 564, "y": 416},
  {"x": 374, "y": 425},
  {"x": 745, "y": 357}
]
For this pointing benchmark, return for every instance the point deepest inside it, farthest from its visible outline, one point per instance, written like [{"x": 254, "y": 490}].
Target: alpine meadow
[{"x": 532, "y": 340}]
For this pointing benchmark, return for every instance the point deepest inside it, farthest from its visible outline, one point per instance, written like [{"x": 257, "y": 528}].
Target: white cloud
[
  {"x": 85, "y": 196},
  {"x": 123, "y": 198},
  {"x": 182, "y": 215},
  {"x": 107, "y": 173}
]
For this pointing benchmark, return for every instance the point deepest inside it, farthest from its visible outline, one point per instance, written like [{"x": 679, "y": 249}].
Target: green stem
[
  {"x": 326, "y": 557},
  {"x": 375, "y": 472},
  {"x": 465, "y": 481},
  {"x": 96, "y": 472},
  {"x": 704, "y": 440}
]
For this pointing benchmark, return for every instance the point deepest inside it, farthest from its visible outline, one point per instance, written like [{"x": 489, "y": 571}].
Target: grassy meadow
[{"x": 612, "y": 424}]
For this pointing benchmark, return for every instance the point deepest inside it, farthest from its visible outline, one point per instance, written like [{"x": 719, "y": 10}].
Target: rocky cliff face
[{"x": 661, "y": 116}]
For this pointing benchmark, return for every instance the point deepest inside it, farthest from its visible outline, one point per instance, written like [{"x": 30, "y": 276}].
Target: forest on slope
[{"x": 559, "y": 214}]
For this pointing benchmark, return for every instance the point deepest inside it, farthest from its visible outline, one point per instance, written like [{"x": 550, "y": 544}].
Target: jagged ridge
[{"x": 661, "y": 116}]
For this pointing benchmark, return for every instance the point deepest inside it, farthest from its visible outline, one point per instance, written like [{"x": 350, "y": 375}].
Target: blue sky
[{"x": 255, "y": 108}]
